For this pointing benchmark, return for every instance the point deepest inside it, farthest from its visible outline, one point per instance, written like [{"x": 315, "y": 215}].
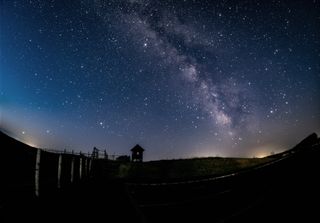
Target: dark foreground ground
[{"x": 284, "y": 190}]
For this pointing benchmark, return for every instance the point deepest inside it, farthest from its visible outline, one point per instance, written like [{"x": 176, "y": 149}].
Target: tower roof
[{"x": 137, "y": 148}]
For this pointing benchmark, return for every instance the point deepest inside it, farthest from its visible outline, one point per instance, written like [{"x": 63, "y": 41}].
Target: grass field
[{"x": 186, "y": 168}]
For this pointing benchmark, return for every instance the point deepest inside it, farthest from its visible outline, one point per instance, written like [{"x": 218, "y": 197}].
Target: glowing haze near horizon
[{"x": 181, "y": 78}]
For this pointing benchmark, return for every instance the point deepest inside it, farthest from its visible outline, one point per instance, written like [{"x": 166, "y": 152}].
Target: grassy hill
[
  {"x": 165, "y": 170},
  {"x": 181, "y": 169}
]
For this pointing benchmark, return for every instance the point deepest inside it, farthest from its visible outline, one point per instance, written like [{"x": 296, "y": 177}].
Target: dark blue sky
[{"x": 181, "y": 78}]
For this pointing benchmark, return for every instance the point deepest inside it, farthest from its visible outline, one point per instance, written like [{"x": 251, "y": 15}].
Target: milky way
[
  {"x": 171, "y": 40},
  {"x": 181, "y": 78}
]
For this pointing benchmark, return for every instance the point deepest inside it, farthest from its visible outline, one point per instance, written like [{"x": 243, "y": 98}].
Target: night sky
[{"x": 181, "y": 78}]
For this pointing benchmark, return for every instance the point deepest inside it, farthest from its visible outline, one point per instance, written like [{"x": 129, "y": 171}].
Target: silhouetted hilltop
[
  {"x": 17, "y": 163},
  {"x": 183, "y": 169},
  {"x": 9, "y": 142},
  {"x": 310, "y": 140},
  {"x": 14, "y": 152},
  {"x": 167, "y": 170}
]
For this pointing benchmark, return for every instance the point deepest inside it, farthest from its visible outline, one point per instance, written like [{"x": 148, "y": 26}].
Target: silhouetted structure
[
  {"x": 137, "y": 154},
  {"x": 124, "y": 158},
  {"x": 106, "y": 155},
  {"x": 95, "y": 153}
]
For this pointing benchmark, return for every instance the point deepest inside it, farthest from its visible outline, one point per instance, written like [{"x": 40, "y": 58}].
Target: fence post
[
  {"x": 59, "y": 170},
  {"x": 37, "y": 173},
  {"x": 90, "y": 163},
  {"x": 86, "y": 167},
  {"x": 80, "y": 169},
  {"x": 72, "y": 169}
]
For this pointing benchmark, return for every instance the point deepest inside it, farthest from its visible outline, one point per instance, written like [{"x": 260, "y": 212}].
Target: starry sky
[{"x": 188, "y": 78}]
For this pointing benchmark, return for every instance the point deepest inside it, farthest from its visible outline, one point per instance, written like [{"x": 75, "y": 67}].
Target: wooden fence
[{"x": 35, "y": 172}]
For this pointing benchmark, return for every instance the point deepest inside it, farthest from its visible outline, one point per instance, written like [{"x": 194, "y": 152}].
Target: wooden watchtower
[{"x": 137, "y": 153}]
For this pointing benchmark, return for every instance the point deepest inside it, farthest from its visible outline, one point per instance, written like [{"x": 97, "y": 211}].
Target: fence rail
[{"x": 98, "y": 154}]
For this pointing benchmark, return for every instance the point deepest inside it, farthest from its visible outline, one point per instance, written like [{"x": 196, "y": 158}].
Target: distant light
[
  {"x": 23, "y": 132},
  {"x": 265, "y": 150},
  {"x": 261, "y": 155},
  {"x": 31, "y": 144}
]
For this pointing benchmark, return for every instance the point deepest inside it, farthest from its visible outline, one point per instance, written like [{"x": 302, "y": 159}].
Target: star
[{"x": 192, "y": 76}]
